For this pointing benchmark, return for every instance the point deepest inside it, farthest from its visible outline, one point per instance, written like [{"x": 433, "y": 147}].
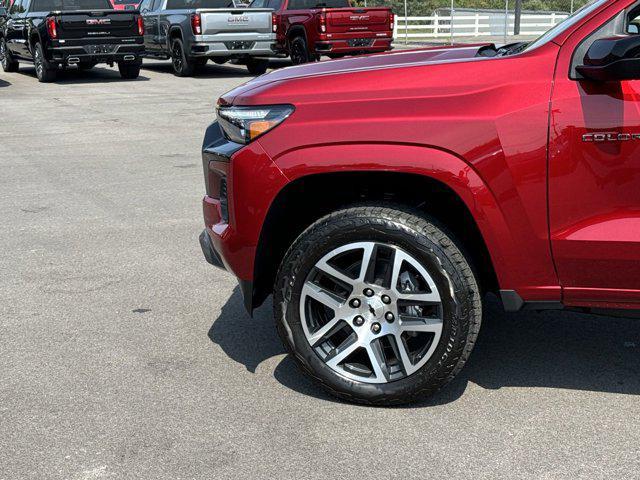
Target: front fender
[{"x": 511, "y": 263}]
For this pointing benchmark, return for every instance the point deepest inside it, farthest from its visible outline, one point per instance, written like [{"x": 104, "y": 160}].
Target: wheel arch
[
  {"x": 175, "y": 31},
  {"x": 450, "y": 187}
]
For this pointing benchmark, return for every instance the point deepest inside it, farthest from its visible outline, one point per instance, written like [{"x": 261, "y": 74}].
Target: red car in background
[
  {"x": 125, "y": 4},
  {"x": 308, "y": 29}
]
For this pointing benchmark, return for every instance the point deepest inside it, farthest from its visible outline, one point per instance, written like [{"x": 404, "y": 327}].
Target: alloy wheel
[
  {"x": 297, "y": 54},
  {"x": 38, "y": 63},
  {"x": 3, "y": 54},
  {"x": 371, "y": 312},
  {"x": 177, "y": 57}
]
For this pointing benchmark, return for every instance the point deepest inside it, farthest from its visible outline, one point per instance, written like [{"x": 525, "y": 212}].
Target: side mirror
[
  {"x": 633, "y": 29},
  {"x": 3, "y": 12},
  {"x": 612, "y": 59}
]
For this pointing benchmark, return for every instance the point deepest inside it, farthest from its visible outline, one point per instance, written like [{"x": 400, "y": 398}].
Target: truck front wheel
[
  {"x": 7, "y": 60},
  {"x": 377, "y": 305},
  {"x": 44, "y": 70},
  {"x": 183, "y": 66}
]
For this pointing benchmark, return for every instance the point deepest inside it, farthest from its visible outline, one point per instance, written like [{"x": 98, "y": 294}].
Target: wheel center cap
[{"x": 375, "y": 307}]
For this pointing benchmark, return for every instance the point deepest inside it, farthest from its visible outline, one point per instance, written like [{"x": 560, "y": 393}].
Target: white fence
[{"x": 472, "y": 25}]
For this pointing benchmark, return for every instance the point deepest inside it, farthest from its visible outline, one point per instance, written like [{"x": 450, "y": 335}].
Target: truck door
[
  {"x": 16, "y": 26},
  {"x": 594, "y": 172},
  {"x": 150, "y": 15}
]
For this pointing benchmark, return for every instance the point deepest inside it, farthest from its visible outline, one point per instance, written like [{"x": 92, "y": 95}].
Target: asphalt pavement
[{"x": 123, "y": 354}]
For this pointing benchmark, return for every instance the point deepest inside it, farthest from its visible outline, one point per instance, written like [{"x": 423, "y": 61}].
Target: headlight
[{"x": 245, "y": 124}]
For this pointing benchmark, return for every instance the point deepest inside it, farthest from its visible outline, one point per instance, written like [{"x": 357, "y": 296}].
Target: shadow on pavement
[
  {"x": 4, "y": 83},
  {"x": 211, "y": 70},
  {"x": 549, "y": 350},
  {"x": 95, "y": 75}
]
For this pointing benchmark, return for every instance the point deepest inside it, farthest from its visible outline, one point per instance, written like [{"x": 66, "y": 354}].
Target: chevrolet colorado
[
  {"x": 191, "y": 32},
  {"x": 307, "y": 29},
  {"x": 54, "y": 34},
  {"x": 380, "y": 197}
]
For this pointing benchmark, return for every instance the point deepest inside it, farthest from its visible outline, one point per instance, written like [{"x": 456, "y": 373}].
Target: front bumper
[{"x": 241, "y": 182}]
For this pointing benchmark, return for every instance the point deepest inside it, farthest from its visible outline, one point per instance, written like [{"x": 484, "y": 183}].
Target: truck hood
[{"x": 399, "y": 59}]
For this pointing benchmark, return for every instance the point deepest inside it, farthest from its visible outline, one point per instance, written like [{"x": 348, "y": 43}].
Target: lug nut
[
  {"x": 368, "y": 292},
  {"x": 358, "y": 321},
  {"x": 355, "y": 303},
  {"x": 386, "y": 299},
  {"x": 376, "y": 327},
  {"x": 389, "y": 317}
]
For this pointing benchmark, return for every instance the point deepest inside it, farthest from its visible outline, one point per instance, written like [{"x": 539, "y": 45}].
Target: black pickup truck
[{"x": 57, "y": 34}]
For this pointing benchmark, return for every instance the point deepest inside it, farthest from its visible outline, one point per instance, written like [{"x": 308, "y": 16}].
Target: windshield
[{"x": 568, "y": 22}]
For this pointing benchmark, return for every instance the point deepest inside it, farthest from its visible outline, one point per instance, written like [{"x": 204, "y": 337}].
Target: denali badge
[
  {"x": 610, "y": 137},
  {"x": 98, "y": 21},
  {"x": 238, "y": 19}
]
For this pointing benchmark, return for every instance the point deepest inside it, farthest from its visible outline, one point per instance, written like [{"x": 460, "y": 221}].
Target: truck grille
[
  {"x": 360, "y": 42},
  {"x": 239, "y": 45}
]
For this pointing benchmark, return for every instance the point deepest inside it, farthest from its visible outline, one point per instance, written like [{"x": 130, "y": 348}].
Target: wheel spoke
[
  {"x": 324, "y": 267},
  {"x": 324, "y": 332},
  {"x": 431, "y": 298},
  {"x": 407, "y": 366},
  {"x": 420, "y": 324},
  {"x": 367, "y": 257},
  {"x": 321, "y": 295},
  {"x": 342, "y": 352},
  {"x": 378, "y": 360}
]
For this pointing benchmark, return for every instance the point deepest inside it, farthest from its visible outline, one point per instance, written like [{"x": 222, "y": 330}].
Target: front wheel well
[{"x": 306, "y": 200}]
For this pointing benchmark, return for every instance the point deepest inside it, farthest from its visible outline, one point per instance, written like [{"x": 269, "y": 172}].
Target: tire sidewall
[
  {"x": 300, "y": 42},
  {"x": 178, "y": 43},
  {"x": 6, "y": 60},
  {"x": 455, "y": 297}
]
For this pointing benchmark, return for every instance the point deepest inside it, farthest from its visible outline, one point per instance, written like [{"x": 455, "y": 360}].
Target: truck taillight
[
  {"x": 322, "y": 20},
  {"x": 392, "y": 18},
  {"x": 274, "y": 22},
  {"x": 52, "y": 29},
  {"x": 196, "y": 24},
  {"x": 140, "y": 26}
]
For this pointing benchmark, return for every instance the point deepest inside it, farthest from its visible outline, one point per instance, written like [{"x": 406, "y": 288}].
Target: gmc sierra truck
[
  {"x": 308, "y": 29},
  {"x": 55, "y": 34},
  {"x": 191, "y": 32},
  {"x": 380, "y": 197}
]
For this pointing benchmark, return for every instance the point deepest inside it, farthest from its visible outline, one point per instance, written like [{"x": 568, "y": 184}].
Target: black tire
[
  {"x": 257, "y": 66},
  {"x": 44, "y": 70},
  {"x": 220, "y": 60},
  {"x": 129, "y": 70},
  {"x": 9, "y": 64},
  {"x": 437, "y": 253},
  {"x": 183, "y": 66},
  {"x": 200, "y": 62},
  {"x": 299, "y": 51}
]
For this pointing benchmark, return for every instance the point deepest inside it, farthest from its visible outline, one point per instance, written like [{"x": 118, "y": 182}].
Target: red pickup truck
[
  {"x": 380, "y": 197},
  {"x": 308, "y": 29}
]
